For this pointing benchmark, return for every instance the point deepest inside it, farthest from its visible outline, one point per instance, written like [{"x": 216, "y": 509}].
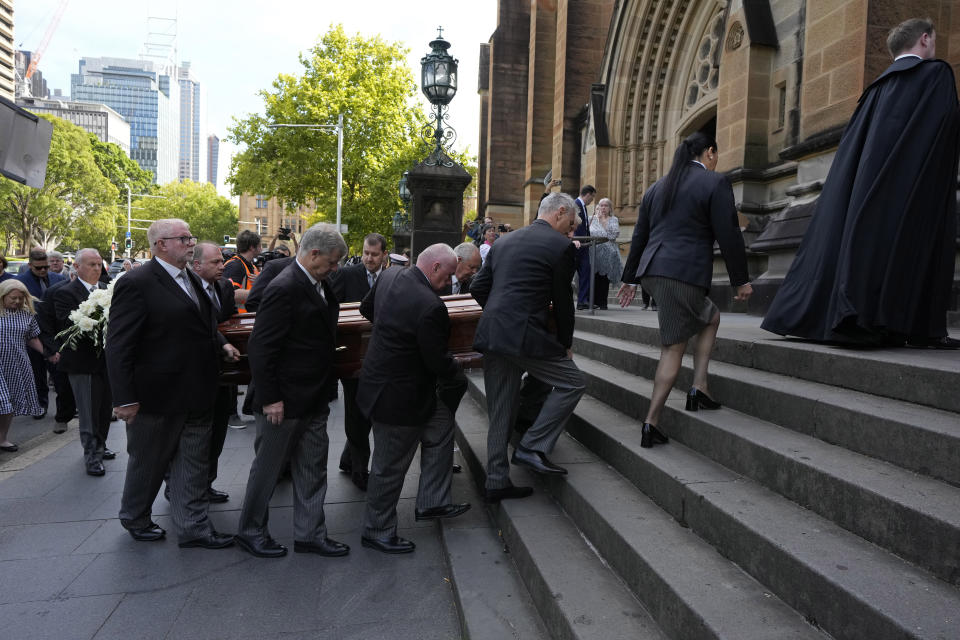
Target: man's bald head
[{"x": 437, "y": 262}]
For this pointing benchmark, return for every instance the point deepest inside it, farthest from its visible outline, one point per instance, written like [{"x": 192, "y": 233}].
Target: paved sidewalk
[{"x": 68, "y": 570}]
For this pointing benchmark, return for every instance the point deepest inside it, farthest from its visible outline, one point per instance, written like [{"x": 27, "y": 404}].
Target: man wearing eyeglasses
[
  {"x": 38, "y": 279},
  {"x": 163, "y": 362}
]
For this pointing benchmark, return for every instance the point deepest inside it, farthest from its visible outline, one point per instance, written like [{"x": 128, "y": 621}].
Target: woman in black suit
[{"x": 671, "y": 255}]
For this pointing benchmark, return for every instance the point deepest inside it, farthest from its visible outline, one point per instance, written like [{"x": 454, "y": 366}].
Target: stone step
[
  {"x": 914, "y": 516},
  {"x": 687, "y": 586},
  {"x": 912, "y": 436},
  {"x": 832, "y": 578},
  {"x": 920, "y": 376},
  {"x": 578, "y": 597},
  {"x": 492, "y": 601}
]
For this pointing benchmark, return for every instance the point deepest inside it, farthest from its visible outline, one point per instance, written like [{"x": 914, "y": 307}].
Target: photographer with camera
[
  {"x": 286, "y": 235},
  {"x": 241, "y": 270}
]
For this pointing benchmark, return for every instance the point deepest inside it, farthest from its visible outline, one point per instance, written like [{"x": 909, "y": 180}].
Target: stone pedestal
[{"x": 436, "y": 204}]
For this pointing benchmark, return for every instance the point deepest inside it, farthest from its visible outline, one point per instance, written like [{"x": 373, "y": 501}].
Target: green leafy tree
[
  {"x": 367, "y": 81},
  {"x": 122, "y": 172},
  {"x": 76, "y": 204},
  {"x": 209, "y": 215}
]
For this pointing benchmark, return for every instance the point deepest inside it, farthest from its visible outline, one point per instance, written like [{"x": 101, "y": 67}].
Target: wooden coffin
[{"x": 353, "y": 338}]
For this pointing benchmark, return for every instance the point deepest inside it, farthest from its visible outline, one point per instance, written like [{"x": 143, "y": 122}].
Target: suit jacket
[
  {"x": 225, "y": 294},
  {"x": 163, "y": 350},
  {"x": 407, "y": 351},
  {"x": 271, "y": 269},
  {"x": 583, "y": 229},
  {"x": 678, "y": 243},
  {"x": 62, "y": 300},
  {"x": 350, "y": 283},
  {"x": 33, "y": 283},
  {"x": 46, "y": 319},
  {"x": 526, "y": 271},
  {"x": 464, "y": 288},
  {"x": 293, "y": 343}
]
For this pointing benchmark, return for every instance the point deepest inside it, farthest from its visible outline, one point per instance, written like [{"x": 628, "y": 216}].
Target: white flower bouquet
[{"x": 89, "y": 320}]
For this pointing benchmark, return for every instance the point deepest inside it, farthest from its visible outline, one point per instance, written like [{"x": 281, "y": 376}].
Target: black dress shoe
[
  {"x": 945, "y": 342},
  {"x": 392, "y": 544},
  {"x": 96, "y": 469},
  {"x": 260, "y": 546},
  {"x": 326, "y": 547},
  {"x": 536, "y": 461},
  {"x": 151, "y": 533},
  {"x": 217, "y": 496},
  {"x": 650, "y": 435},
  {"x": 697, "y": 399},
  {"x": 108, "y": 454},
  {"x": 9, "y": 448},
  {"x": 43, "y": 412},
  {"x": 507, "y": 493},
  {"x": 360, "y": 479},
  {"x": 213, "y": 540},
  {"x": 457, "y": 468},
  {"x": 445, "y": 511}
]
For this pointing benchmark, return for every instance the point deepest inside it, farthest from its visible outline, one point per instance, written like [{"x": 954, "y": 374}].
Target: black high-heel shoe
[
  {"x": 697, "y": 399},
  {"x": 650, "y": 435}
]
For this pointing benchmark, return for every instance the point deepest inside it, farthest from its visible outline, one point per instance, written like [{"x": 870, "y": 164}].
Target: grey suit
[
  {"x": 291, "y": 354},
  {"x": 525, "y": 272},
  {"x": 398, "y": 390}
]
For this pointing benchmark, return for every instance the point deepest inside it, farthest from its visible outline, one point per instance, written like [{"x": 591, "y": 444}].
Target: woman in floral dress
[
  {"x": 607, "y": 255},
  {"x": 18, "y": 330}
]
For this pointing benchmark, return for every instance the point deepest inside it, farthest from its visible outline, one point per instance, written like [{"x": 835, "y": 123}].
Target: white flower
[{"x": 87, "y": 324}]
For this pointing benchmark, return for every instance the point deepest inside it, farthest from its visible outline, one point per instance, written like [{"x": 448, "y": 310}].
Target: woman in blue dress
[{"x": 18, "y": 330}]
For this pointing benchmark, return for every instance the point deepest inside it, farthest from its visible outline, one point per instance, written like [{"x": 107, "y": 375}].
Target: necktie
[
  {"x": 320, "y": 290},
  {"x": 213, "y": 296},
  {"x": 187, "y": 287},
  {"x": 92, "y": 289},
  {"x": 456, "y": 287},
  {"x": 371, "y": 278}
]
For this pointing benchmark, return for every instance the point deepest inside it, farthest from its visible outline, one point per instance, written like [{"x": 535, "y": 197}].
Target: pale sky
[{"x": 238, "y": 47}]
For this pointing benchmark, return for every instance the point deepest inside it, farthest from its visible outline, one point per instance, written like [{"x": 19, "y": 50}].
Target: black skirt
[{"x": 683, "y": 309}]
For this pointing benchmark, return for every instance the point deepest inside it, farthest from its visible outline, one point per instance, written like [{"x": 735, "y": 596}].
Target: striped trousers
[
  {"x": 155, "y": 443},
  {"x": 501, "y": 377},
  {"x": 393, "y": 449}
]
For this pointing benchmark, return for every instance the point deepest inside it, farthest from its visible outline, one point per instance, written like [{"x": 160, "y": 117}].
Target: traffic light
[
  {"x": 226, "y": 239},
  {"x": 129, "y": 243},
  {"x": 113, "y": 246}
]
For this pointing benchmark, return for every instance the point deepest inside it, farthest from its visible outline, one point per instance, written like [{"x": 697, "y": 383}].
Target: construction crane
[{"x": 38, "y": 52}]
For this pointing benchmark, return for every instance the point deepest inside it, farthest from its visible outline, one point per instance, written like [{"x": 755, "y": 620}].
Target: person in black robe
[{"x": 876, "y": 264}]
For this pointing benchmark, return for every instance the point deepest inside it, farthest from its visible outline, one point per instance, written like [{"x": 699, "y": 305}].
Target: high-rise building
[
  {"x": 6, "y": 49},
  {"x": 192, "y": 150},
  {"x": 147, "y": 94},
  {"x": 98, "y": 119},
  {"x": 213, "y": 158},
  {"x": 37, "y": 86}
]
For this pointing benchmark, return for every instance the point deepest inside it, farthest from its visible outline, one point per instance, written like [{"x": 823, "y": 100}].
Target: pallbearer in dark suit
[
  {"x": 85, "y": 366},
  {"x": 351, "y": 284},
  {"x": 398, "y": 391},
  {"x": 208, "y": 264},
  {"x": 468, "y": 263},
  {"x": 163, "y": 357},
  {"x": 291, "y": 353},
  {"x": 526, "y": 272}
]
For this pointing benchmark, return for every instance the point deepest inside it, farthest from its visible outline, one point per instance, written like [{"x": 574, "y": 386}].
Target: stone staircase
[{"x": 823, "y": 500}]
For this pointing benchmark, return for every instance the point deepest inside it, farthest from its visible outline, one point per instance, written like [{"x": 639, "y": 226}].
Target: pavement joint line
[{"x": 46, "y": 444}]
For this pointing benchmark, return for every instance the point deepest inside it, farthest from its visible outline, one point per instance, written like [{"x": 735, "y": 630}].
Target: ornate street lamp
[
  {"x": 438, "y": 81},
  {"x": 403, "y": 190}
]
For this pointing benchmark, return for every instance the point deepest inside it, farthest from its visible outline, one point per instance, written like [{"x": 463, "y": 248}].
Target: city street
[{"x": 69, "y": 571}]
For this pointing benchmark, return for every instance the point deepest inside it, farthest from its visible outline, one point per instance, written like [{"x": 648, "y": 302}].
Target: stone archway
[{"x": 662, "y": 76}]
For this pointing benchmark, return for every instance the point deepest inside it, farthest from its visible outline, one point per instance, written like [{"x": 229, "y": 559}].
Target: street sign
[{"x": 128, "y": 234}]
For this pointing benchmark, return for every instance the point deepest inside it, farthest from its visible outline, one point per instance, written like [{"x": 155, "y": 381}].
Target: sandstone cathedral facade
[{"x": 602, "y": 91}]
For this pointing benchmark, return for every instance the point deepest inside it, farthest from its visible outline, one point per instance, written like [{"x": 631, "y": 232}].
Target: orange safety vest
[{"x": 248, "y": 277}]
